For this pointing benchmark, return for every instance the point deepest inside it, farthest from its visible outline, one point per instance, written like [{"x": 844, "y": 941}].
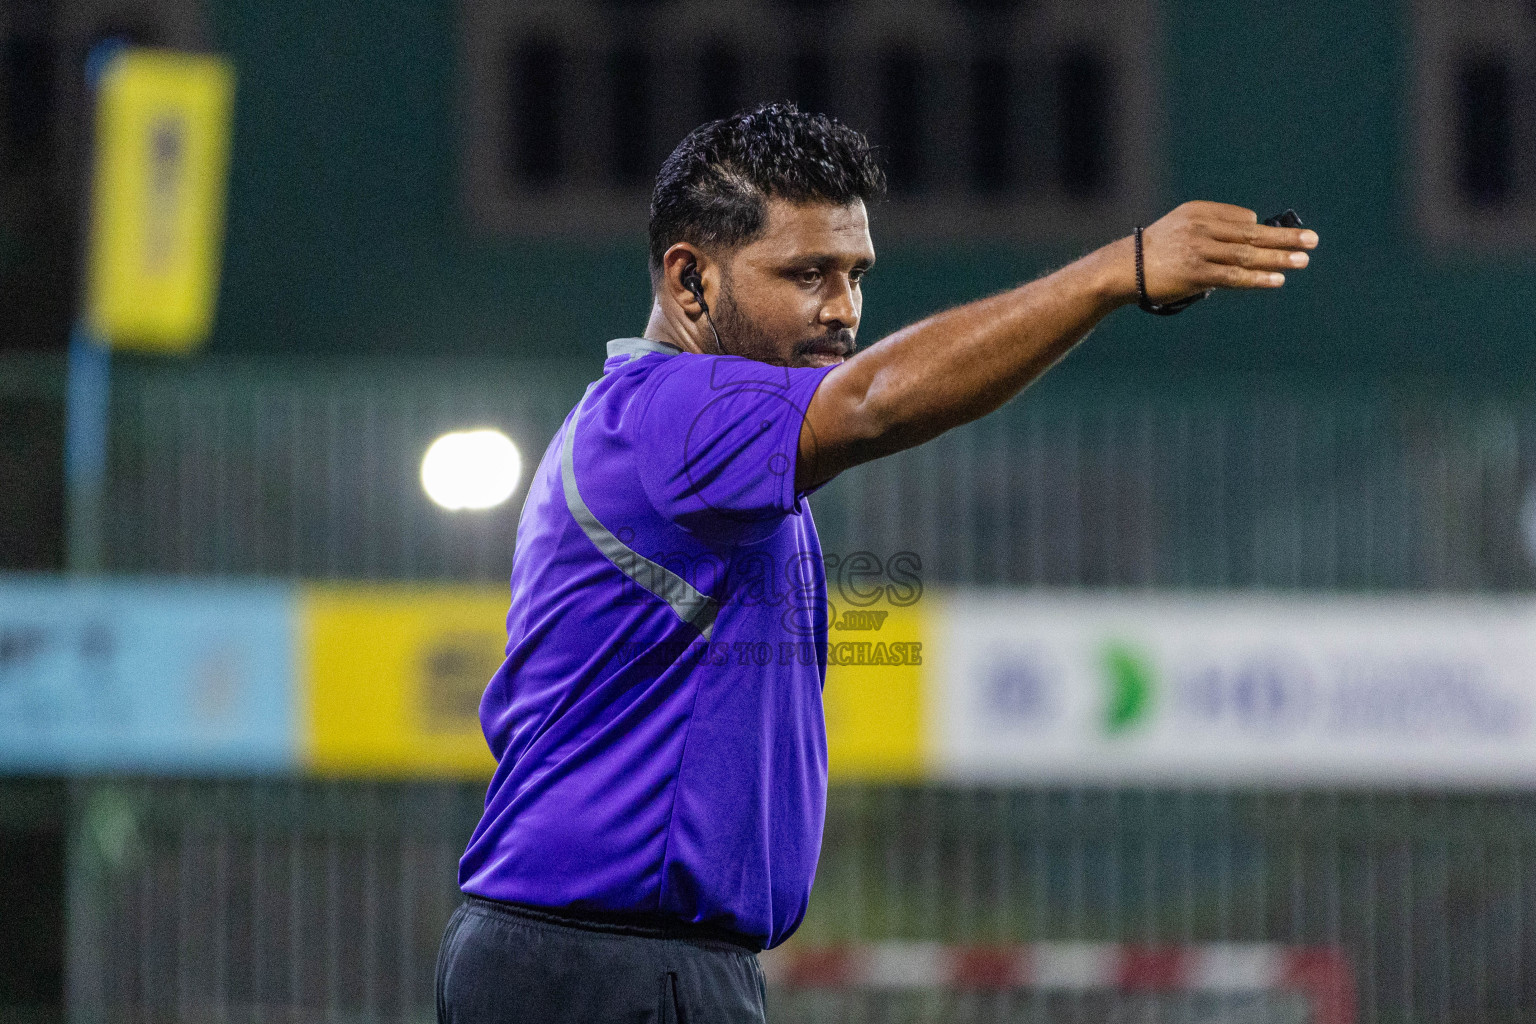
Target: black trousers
[{"x": 501, "y": 964}]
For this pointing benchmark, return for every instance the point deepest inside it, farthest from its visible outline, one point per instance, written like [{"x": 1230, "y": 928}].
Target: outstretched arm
[{"x": 961, "y": 364}]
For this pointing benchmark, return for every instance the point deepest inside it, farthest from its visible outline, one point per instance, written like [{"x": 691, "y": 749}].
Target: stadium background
[{"x": 1368, "y": 432}]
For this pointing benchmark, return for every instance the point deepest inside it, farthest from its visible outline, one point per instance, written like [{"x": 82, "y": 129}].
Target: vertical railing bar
[
  {"x": 1036, "y": 526},
  {"x": 333, "y": 900},
  {"x": 370, "y": 474},
  {"x": 1406, "y": 902},
  {"x": 335, "y": 511},
  {"x": 999, "y": 508},
  {"x": 183, "y": 899},
  {"x": 1150, "y": 498},
  {"x": 295, "y": 901},
  {"x": 1072, "y": 436},
  {"x": 1370, "y": 942},
  {"x": 295, "y": 448},
  {"x": 220, "y": 523},
  {"x": 1521, "y": 899},
  {"x": 183, "y": 475},
  {"x": 406, "y": 937},
  {"x": 1298, "y": 509},
  {"x": 258, "y": 505},
  {"x": 143, "y": 509},
  {"x": 221, "y": 902},
  {"x": 147, "y": 906},
  {"x": 370, "y": 943},
  {"x": 1442, "y": 899},
  {"x": 1150, "y": 926},
  {"x": 1110, "y": 511},
  {"x": 260, "y": 795},
  {"x": 965, "y": 441},
  {"x": 1221, "y": 516}
]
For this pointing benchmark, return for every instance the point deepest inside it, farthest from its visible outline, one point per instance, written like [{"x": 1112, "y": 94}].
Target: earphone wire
[
  {"x": 693, "y": 284},
  {"x": 712, "y": 330}
]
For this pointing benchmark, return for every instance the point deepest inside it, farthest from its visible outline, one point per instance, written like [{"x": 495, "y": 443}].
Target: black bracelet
[{"x": 1160, "y": 308}]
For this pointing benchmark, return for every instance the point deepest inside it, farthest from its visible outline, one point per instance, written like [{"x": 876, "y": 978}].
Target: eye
[{"x": 809, "y": 277}]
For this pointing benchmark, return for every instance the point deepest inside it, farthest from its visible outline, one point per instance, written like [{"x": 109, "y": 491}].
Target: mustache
[{"x": 839, "y": 342}]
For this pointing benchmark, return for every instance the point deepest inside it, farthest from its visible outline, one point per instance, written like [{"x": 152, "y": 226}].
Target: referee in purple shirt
[{"x": 656, "y": 813}]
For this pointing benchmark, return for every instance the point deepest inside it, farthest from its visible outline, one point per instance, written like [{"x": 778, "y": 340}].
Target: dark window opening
[
  {"x": 1082, "y": 123},
  {"x": 901, "y": 117},
  {"x": 535, "y": 73},
  {"x": 27, "y": 92},
  {"x": 1009, "y": 109},
  {"x": 1485, "y": 132},
  {"x": 31, "y": 454},
  {"x": 630, "y": 85},
  {"x": 719, "y": 82},
  {"x": 32, "y": 907},
  {"x": 992, "y": 125}
]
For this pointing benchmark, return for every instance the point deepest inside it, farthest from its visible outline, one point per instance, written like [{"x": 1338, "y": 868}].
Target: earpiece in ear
[{"x": 695, "y": 284}]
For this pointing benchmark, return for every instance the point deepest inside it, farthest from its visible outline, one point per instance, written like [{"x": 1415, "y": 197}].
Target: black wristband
[{"x": 1159, "y": 308}]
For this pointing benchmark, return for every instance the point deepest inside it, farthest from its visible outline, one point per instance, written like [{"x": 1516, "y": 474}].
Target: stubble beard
[{"x": 741, "y": 337}]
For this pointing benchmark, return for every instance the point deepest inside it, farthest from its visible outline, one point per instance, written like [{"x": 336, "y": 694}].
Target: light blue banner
[{"x": 146, "y": 676}]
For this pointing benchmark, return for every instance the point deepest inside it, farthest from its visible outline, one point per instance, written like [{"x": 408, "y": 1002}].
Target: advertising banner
[
  {"x": 1234, "y": 689},
  {"x": 138, "y": 676},
  {"x": 392, "y": 678},
  {"x": 876, "y": 678},
  {"x": 1005, "y": 687},
  {"x": 157, "y": 208}
]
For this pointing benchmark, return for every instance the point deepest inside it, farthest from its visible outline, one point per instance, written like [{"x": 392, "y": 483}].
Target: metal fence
[
  {"x": 311, "y": 471},
  {"x": 294, "y": 901},
  {"x": 307, "y": 901}
]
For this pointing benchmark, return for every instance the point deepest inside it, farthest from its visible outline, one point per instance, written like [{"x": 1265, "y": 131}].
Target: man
[{"x": 656, "y": 814}]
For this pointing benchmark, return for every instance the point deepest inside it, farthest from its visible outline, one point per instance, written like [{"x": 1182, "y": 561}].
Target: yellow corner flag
[{"x": 157, "y": 205}]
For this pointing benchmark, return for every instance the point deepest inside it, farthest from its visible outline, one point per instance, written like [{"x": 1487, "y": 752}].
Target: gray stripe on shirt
[
  {"x": 637, "y": 347},
  {"x": 694, "y": 608}
]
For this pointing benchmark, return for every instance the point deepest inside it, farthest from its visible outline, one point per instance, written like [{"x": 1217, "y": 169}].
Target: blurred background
[{"x": 1226, "y": 707}]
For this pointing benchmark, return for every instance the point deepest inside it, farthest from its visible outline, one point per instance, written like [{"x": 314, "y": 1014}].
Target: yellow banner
[
  {"x": 875, "y": 691},
  {"x": 157, "y": 204},
  {"x": 392, "y": 678},
  {"x": 391, "y": 681}
]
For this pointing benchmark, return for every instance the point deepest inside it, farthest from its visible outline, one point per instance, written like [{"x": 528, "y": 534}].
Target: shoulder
[{"x": 701, "y": 381}]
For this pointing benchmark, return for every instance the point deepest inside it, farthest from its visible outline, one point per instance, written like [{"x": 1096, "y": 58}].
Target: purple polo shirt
[{"x": 657, "y": 722}]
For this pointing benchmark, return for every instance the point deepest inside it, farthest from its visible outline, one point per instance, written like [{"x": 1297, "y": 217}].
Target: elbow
[{"x": 876, "y": 428}]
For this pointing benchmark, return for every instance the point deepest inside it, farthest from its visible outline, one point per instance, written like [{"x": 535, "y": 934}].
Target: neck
[{"x": 674, "y": 328}]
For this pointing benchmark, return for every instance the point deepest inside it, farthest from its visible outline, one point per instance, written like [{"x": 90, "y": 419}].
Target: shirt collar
[{"x": 634, "y": 348}]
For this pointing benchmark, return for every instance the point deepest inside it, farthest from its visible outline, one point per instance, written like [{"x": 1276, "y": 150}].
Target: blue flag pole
[
  {"x": 88, "y": 389},
  {"x": 87, "y": 394}
]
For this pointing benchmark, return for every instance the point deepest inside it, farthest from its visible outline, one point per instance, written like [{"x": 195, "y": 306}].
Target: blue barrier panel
[{"x": 146, "y": 676}]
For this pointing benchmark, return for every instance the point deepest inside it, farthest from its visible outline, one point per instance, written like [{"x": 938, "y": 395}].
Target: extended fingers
[
  {"x": 1251, "y": 257},
  {"x": 1262, "y": 235},
  {"x": 1227, "y": 276},
  {"x": 1217, "y": 245}
]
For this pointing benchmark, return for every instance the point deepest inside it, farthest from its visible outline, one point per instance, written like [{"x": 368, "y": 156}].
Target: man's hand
[{"x": 1209, "y": 245}]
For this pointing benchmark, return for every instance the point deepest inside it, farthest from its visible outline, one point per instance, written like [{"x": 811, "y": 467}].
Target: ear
[{"x": 675, "y": 263}]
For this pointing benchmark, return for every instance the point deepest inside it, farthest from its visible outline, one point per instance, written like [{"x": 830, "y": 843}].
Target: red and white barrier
[{"x": 1320, "y": 974}]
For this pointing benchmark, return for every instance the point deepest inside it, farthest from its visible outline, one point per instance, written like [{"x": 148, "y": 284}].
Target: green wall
[{"x": 345, "y": 234}]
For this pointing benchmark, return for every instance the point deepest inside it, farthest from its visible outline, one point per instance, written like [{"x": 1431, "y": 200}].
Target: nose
[{"x": 841, "y": 309}]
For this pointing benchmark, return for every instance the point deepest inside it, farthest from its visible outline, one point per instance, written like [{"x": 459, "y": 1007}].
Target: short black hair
[{"x": 714, "y": 188}]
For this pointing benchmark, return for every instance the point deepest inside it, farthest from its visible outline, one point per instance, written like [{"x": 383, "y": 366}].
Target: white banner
[{"x": 1232, "y": 689}]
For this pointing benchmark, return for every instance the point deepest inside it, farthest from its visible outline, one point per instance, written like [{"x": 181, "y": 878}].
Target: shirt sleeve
[{"x": 717, "y": 440}]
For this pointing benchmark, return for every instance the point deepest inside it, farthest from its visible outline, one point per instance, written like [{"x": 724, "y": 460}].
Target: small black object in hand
[{"x": 1288, "y": 219}]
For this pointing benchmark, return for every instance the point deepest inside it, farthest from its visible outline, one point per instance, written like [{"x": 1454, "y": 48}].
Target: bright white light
[{"x": 471, "y": 469}]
